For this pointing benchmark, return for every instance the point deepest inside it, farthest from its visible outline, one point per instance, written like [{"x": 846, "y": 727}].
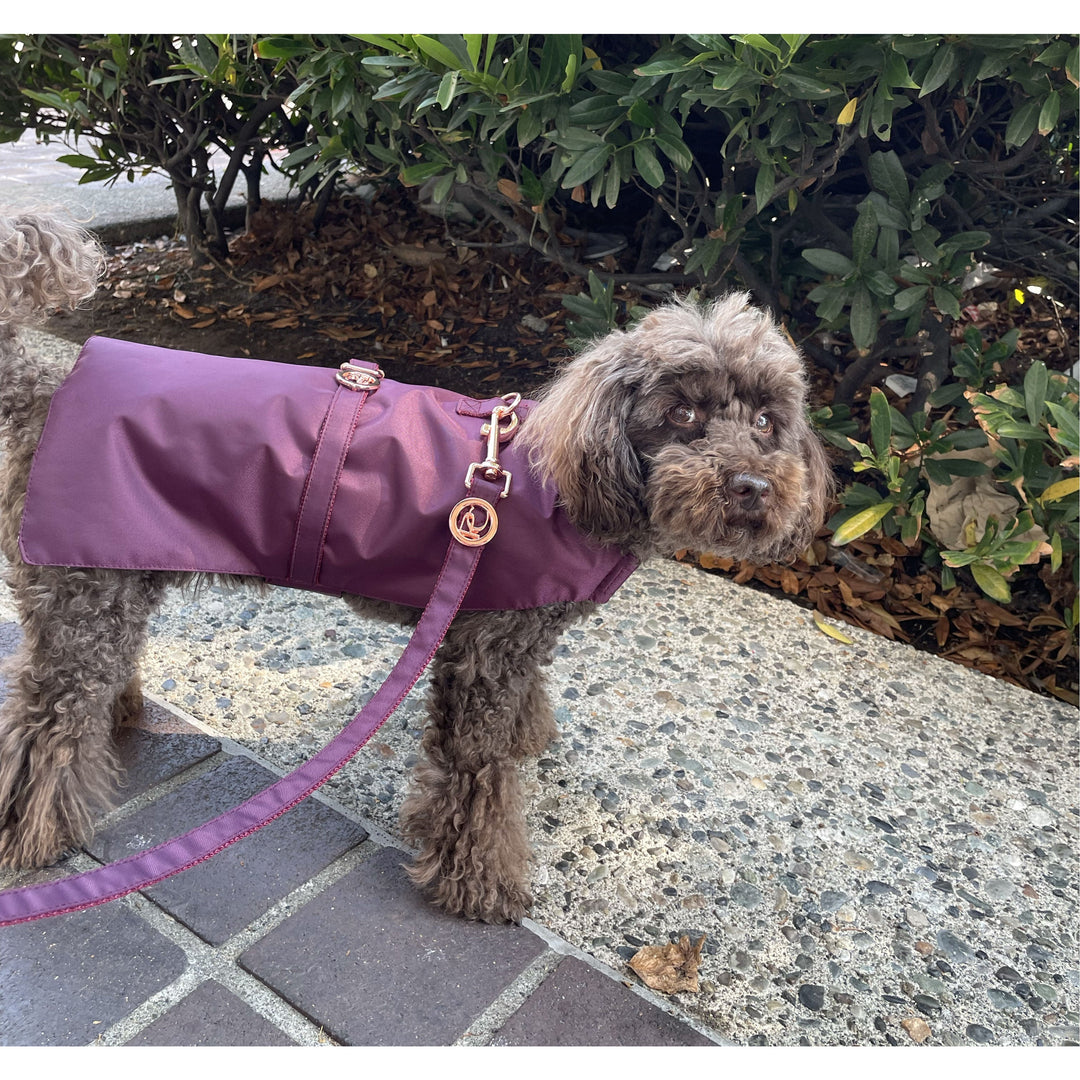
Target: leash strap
[
  {"x": 146, "y": 868},
  {"x": 472, "y": 524}
]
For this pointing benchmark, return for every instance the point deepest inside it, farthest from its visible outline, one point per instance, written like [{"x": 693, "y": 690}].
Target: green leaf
[
  {"x": 640, "y": 114},
  {"x": 442, "y": 52},
  {"x": 864, "y": 235},
  {"x": 889, "y": 178},
  {"x": 473, "y": 44},
  {"x": 1021, "y": 125},
  {"x": 1067, "y": 433},
  {"x": 677, "y": 151},
  {"x": 764, "y": 186},
  {"x": 529, "y": 124},
  {"x": 596, "y": 111},
  {"x": 1035, "y": 383},
  {"x": 1072, "y": 66},
  {"x": 966, "y": 241},
  {"x": 662, "y": 67},
  {"x": 945, "y": 301},
  {"x": 860, "y": 523},
  {"x": 962, "y": 467},
  {"x": 587, "y": 165},
  {"x": 991, "y": 582},
  {"x": 880, "y": 283},
  {"x": 941, "y": 68},
  {"x": 896, "y": 73},
  {"x": 1048, "y": 115},
  {"x": 576, "y": 139},
  {"x": 832, "y": 262},
  {"x": 864, "y": 319},
  {"x": 908, "y": 298},
  {"x": 1014, "y": 429},
  {"x": 648, "y": 167},
  {"x": 802, "y": 86},
  {"x": 760, "y": 43},
  {"x": 880, "y": 422},
  {"x": 447, "y": 86},
  {"x": 417, "y": 174},
  {"x": 571, "y": 73}
]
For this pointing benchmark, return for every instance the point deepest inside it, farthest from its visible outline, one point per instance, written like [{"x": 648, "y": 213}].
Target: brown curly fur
[{"x": 687, "y": 431}]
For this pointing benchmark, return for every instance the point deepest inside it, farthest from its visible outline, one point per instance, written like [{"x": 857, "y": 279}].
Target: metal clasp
[
  {"x": 490, "y": 468},
  {"x": 354, "y": 377},
  {"x": 473, "y": 521}
]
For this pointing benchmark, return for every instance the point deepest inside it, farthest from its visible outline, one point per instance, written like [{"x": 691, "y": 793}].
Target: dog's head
[{"x": 688, "y": 431}]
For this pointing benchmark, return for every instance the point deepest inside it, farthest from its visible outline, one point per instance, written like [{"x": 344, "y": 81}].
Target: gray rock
[
  {"x": 954, "y": 948},
  {"x": 747, "y": 896}
]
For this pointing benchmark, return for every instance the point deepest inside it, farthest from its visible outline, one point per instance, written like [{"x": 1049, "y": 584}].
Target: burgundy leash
[{"x": 473, "y": 523}]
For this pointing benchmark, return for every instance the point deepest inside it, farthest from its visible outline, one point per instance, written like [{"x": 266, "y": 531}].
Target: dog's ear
[
  {"x": 819, "y": 487},
  {"x": 45, "y": 262},
  {"x": 576, "y": 439}
]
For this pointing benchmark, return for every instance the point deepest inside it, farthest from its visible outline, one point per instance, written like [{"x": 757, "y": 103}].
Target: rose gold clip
[
  {"x": 473, "y": 521},
  {"x": 354, "y": 377}
]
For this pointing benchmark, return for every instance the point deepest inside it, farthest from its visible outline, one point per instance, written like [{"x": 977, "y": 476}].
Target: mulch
[{"x": 456, "y": 305}]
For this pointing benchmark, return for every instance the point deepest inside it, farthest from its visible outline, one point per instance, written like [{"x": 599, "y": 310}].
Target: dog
[{"x": 687, "y": 431}]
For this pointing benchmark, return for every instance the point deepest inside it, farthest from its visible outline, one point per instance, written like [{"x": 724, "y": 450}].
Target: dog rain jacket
[{"x": 159, "y": 459}]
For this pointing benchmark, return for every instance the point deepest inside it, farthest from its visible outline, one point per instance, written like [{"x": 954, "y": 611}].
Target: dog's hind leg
[
  {"x": 487, "y": 709},
  {"x": 83, "y": 632}
]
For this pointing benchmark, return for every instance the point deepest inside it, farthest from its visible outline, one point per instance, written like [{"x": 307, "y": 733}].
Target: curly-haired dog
[{"x": 688, "y": 431}]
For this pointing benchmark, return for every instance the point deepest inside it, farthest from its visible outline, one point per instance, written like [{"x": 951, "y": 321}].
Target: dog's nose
[{"x": 749, "y": 490}]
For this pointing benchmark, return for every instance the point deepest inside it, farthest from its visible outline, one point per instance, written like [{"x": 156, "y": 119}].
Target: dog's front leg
[{"x": 487, "y": 710}]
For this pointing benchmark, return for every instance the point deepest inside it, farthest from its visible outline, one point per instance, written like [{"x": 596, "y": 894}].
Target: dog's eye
[
  {"x": 682, "y": 415},
  {"x": 763, "y": 424}
]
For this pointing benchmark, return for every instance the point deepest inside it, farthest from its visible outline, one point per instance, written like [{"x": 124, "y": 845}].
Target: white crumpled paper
[{"x": 950, "y": 507}]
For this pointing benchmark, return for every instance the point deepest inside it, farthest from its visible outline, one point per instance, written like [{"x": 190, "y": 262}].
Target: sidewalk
[{"x": 879, "y": 846}]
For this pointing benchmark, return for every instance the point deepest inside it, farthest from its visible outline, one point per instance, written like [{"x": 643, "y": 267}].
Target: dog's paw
[
  {"x": 482, "y": 896},
  {"x": 19, "y": 851},
  {"x": 495, "y": 902}
]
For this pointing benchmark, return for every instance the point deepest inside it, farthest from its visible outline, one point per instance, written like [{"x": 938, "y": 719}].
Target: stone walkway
[{"x": 306, "y": 933}]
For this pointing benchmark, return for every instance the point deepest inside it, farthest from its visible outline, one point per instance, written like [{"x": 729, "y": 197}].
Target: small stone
[
  {"x": 999, "y": 888},
  {"x": 1003, "y": 1000},
  {"x": 923, "y": 948},
  {"x": 747, "y": 896},
  {"x": 812, "y": 996},
  {"x": 831, "y": 900},
  {"x": 953, "y": 947},
  {"x": 917, "y": 1028},
  {"x": 916, "y": 918},
  {"x": 978, "y": 1033},
  {"x": 927, "y": 1004},
  {"x": 857, "y": 861}
]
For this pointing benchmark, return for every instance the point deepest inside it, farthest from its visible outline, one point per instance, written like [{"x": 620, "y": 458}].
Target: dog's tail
[{"x": 45, "y": 263}]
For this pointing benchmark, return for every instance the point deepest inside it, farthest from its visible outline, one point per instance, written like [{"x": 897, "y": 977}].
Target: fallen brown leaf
[{"x": 670, "y": 968}]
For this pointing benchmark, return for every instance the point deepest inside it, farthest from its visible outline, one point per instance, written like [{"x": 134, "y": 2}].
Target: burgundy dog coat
[{"x": 157, "y": 459}]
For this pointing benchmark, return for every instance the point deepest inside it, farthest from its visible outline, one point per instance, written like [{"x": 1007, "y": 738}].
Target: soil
[{"x": 458, "y": 306}]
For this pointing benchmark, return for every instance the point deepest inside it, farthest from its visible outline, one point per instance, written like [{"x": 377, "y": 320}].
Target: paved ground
[{"x": 879, "y": 847}]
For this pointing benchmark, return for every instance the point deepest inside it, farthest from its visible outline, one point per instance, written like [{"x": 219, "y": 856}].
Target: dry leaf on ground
[{"x": 670, "y": 968}]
